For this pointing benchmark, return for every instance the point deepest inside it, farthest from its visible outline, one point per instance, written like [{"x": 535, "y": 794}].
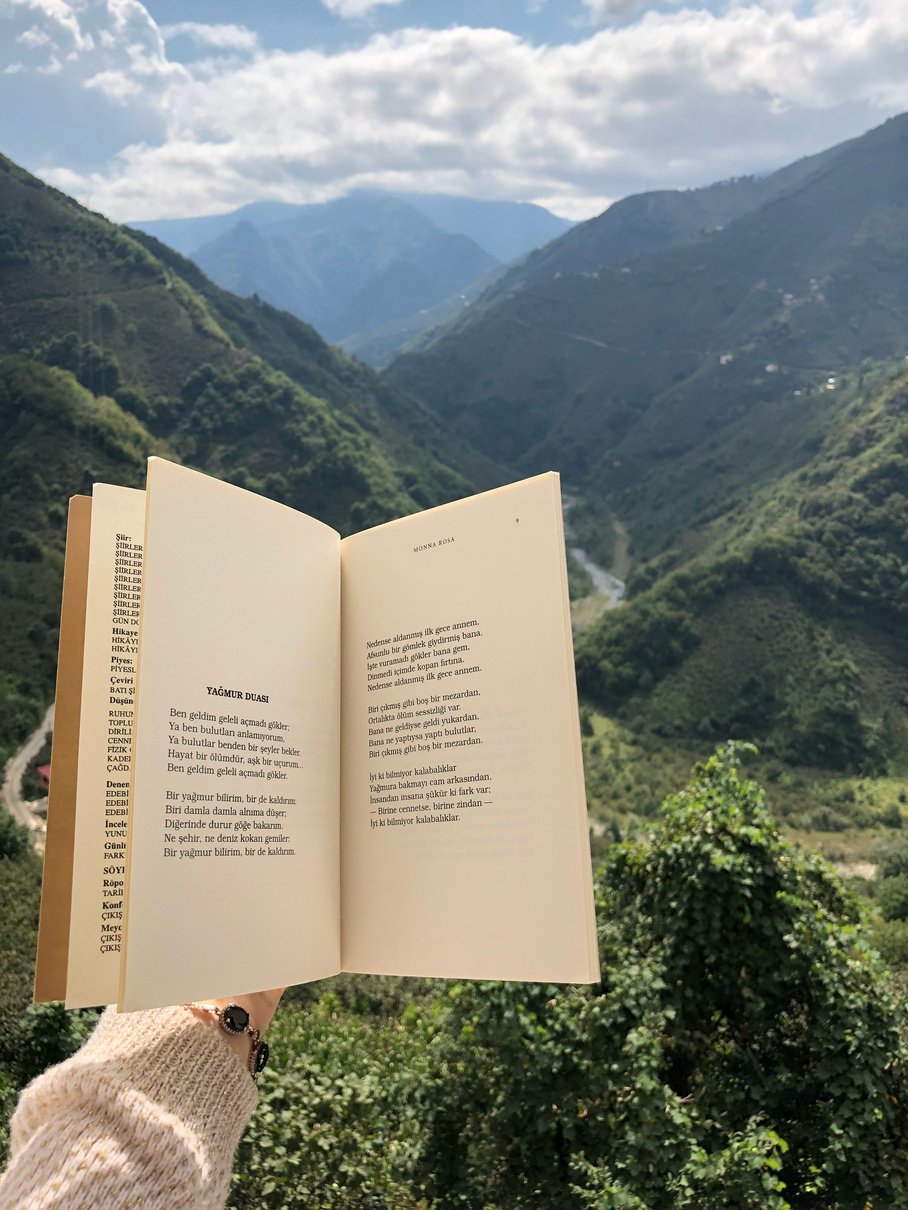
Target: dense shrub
[
  {"x": 743, "y": 1049},
  {"x": 892, "y": 897}
]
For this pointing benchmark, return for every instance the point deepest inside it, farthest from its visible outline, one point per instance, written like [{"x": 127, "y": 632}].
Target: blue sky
[{"x": 170, "y": 108}]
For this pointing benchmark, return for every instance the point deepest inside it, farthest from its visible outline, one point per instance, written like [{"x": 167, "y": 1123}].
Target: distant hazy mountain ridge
[{"x": 370, "y": 270}]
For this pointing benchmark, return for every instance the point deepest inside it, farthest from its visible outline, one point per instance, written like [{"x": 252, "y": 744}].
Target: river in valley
[{"x": 606, "y": 584}]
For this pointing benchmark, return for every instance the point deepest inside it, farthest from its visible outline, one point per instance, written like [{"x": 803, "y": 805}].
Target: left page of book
[
  {"x": 105, "y": 740},
  {"x": 233, "y": 868},
  {"x": 56, "y": 885}
]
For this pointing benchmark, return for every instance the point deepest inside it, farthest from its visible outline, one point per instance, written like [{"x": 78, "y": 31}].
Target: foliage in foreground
[
  {"x": 743, "y": 1050},
  {"x": 32, "y": 1037}
]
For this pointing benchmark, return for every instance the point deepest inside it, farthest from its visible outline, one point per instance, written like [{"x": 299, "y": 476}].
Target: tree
[{"x": 743, "y": 1049}]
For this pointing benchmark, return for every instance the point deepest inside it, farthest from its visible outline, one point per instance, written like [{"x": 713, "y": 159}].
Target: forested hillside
[
  {"x": 647, "y": 222},
  {"x": 113, "y": 347},
  {"x": 790, "y": 626}
]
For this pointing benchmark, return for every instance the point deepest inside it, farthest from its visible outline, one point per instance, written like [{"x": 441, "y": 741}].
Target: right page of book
[{"x": 464, "y": 837}]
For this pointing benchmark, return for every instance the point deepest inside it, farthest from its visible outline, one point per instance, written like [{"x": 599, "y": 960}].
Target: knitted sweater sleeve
[{"x": 147, "y": 1114}]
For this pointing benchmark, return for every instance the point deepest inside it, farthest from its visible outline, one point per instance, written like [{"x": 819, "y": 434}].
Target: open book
[{"x": 279, "y": 755}]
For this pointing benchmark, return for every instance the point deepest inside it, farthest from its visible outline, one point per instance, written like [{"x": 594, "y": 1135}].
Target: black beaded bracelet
[{"x": 234, "y": 1019}]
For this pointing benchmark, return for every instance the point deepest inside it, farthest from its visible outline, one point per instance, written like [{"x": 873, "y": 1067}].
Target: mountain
[
  {"x": 186, "y": 235},
  {"x": 506, "y": 230},
  {"x": 346, "y": 267},
  {"x": 647, "y": 222},
  {"x": 113, "y": 347},
  {"x": 618, "y": 373},
  {"x": 370, "y": 270}
]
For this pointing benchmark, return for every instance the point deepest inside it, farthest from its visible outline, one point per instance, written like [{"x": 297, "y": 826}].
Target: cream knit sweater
[{"x": 147, "y": 1114}]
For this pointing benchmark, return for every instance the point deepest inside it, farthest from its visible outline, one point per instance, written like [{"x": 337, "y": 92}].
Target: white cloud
[
  {"x": 61, "y": 23},
  {"x": 34, "y": 37},
  {"x": 574, "y": 207},
  {"x": 352, "y": 9},
  {"x": 116, "y": 85},
  {"x": 674, "y": 99},
  {"x": 113, "y": 46},
  {"x": 221, "y": 37},
  {"x": 609, "y": 10}
]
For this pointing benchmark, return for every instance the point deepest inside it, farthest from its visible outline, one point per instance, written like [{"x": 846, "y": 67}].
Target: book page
[
  {"x": 105, "y": 744},
  {"x": 233, "y": 860},
  {"x": 56, "y": 885},
  {"x": 465, "y": 848}
]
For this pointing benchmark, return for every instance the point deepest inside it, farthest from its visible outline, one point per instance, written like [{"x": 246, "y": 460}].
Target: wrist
[
  {"x": 240, "y": 1022},
  {"x": 259, "y": 1005}
]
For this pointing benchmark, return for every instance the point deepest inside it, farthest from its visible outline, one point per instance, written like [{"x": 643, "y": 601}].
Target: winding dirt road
[{"x": 15, "y": 770}]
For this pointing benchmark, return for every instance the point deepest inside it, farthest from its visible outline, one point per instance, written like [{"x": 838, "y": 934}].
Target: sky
[{"x": 173, "y": 108}]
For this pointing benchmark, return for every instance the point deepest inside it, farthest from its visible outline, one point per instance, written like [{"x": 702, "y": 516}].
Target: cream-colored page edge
[
  {"x": 99, "y": 853},
  {"x": 56, "y": 884},
  {"x": 241, "y": 594},
  {"x": 585, "y": 872},
  {"x": 506, "y": 891}
]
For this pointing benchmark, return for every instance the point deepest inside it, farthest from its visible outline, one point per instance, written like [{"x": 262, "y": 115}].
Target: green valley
[{"x": 720, "y": 376}]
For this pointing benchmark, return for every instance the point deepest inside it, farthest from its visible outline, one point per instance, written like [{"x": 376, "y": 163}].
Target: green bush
[
  {"x": 15, "y": 839},
  {"x": 890, "y": 937},
  {"x": 892, "y": 897},
  {"x": 333, "y": 1127},
  {"x": 894, "y": 861},
  {"x": 891, "y": 816}
]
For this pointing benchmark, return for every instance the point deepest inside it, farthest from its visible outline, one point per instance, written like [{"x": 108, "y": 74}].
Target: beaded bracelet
[{"x": 234, "y": 1019}]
